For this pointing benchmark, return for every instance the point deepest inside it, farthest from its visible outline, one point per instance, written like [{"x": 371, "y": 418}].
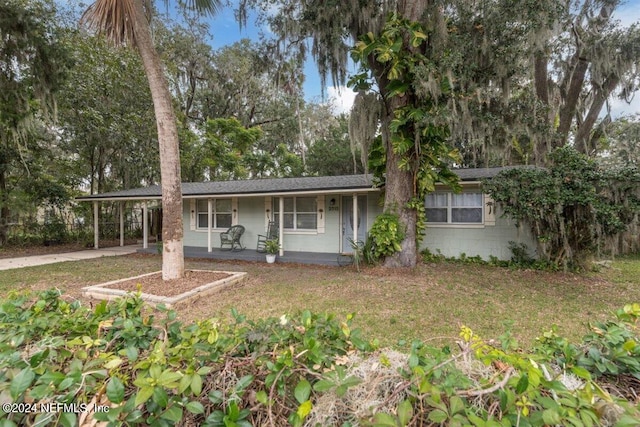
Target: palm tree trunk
[{"x": 172, "y": 226}]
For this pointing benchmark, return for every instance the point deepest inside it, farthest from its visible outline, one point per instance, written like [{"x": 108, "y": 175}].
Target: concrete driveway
[{"x": 29, "y": 261}]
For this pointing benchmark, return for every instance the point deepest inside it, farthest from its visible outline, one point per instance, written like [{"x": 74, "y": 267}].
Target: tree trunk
[
  {"x": 4, "y": 207},
  {"x": 399, "y": 190},
  {"x": 584, "y": 142},
  {"x": 172, "y": 227},
  {"x": 570, "y": 101},
  {"x": 399, "y": 184}
]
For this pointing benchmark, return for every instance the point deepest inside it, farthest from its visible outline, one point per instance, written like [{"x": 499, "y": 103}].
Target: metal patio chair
[
  {"x": 272, "y": 234},
  {"x": 231, "y": 238}
]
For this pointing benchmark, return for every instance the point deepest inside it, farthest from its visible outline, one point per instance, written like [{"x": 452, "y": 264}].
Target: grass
[{"x": 429, "y": 303}]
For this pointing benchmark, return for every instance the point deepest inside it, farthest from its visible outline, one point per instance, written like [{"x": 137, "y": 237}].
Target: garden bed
[{"x": 196, "y": 283}]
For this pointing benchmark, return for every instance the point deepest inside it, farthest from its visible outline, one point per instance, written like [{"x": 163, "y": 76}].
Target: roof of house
[{"x": 275, "y": 186}]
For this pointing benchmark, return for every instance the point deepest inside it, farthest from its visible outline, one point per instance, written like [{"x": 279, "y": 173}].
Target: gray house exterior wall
[
  {"x": 254, "y": 202},
  {"x": 484, "y": 241},
  {"x": 251, "y": 213}
]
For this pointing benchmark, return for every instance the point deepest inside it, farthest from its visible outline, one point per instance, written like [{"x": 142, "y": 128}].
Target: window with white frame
[
  {"x": 220, "y": 213},
  {"x": 451, "y": 208},
  {"x": 300, "y": 213}
]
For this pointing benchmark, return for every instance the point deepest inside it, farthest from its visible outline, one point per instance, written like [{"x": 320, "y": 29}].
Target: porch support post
[
  {"x": 209, "y": 223},
  {"x": 145, "y": 225},
  {"x": 355, "y": 217},
  {"x": 122, "y": 223},
  {"x": 96, "y": 226},
  {"x": 281, "y": 224}
]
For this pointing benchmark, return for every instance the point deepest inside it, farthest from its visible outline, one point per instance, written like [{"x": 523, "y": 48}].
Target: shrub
[
  {"x": 306, "y": 369},
  {"x": 385, "y": 236},
  {"x": 569, "y": 207}
]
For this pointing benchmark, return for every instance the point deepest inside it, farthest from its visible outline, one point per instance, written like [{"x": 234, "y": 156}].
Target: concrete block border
[{"x": 104, "y": 292}]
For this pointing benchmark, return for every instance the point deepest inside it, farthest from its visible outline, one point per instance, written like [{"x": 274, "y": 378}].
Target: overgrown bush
[
  {"x": 385, "y": 237},
  {"x": 306, "y": 369},
  {"x": 569, "y": 207}
]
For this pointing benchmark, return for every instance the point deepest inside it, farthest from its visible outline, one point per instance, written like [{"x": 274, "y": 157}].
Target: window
[
  {"x": 299, "y": 213},
  {"x": 221, "y": 213},
  {"x": 450, "y": 208}
]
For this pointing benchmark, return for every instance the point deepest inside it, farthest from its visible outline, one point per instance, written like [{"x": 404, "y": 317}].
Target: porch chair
[
  {"x": 272, "y": 234},
  {"x": 231, "y": 238}
]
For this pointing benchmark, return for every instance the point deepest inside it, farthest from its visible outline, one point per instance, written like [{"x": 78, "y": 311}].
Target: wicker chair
[{"x": 231, "y": 238}]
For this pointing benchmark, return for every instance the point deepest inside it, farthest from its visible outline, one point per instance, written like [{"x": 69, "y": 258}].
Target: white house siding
[{"x": 485, "y": 240}]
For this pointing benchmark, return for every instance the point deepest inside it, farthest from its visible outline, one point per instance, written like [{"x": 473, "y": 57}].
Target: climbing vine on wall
[{"x": 569, "y": 207}]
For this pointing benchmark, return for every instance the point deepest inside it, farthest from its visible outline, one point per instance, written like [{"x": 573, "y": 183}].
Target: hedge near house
[
  {"x": 571, "y": 206},
  {"x": 118, "y": 364}
]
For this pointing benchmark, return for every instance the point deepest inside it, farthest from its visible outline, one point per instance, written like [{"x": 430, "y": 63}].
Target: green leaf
[
  {"x": 456, "y": 405},
  {"x": 196, "y": 384},
  {"x": 215, "y": 418},
  {"x": 302, "y": 391},
  {"x": 405, "y": 412},
  {"x": 185, "y": 383},
  {"x": 216, "y": 397},
  {"x": 68, "y": 419},
  {"x": 132, "y": 353},
  {"x": 384, "y": 420},
  {"x": 66, "y": 383},
  {"x": 169, "y": 378},
  {"x": 262, "y": 397},
  {"x": 551, "y": 417},
  {"x": 523, "y": 384},
  {"x": 476, "y": 420},
  {"x": 21, "y": 382},
  {"x": 233, "y": 410},
  {"x": 627, "y": 421},
  {"x": 113, "y": 363},
  {"x": 173, "y": 413},
  {"x": 581, "y": 373},
  {"x": 244, "y": 382},
  {"x": 323, "y": 385},
  {"x": 195, "y": 407},
  {"x": 144, "y": 393},
  {"x": 438, "y": 416},
  {"x": 160, "y": 397},
  {"x": 115, "y": 390}
]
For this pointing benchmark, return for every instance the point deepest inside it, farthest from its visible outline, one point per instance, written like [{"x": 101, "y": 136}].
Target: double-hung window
[
  {"x": 220, "y": 211},
  {"x": 300, "y": 213},
  {"x": 451, "y": 208}
]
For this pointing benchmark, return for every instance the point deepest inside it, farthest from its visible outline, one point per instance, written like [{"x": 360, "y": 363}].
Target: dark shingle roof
[
  {"x": 277, "y": 185},
  {"x": 249, "y": 186}
]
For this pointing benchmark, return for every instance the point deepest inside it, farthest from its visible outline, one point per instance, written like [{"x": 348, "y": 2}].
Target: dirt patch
[{"x": 154, "y": 285}]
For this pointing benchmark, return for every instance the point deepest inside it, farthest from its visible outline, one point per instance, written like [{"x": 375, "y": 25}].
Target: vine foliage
[
  {"x": 148, "y": 369},
  {"x": 418, "y": 130},
  {"x": 569, "y": 207}
]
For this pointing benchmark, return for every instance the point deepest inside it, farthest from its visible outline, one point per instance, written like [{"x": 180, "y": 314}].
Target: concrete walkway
[{"x": 29, "y": 261}]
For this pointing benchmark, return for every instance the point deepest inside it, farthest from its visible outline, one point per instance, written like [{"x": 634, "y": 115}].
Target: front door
[{"x": 348, "y": 223}]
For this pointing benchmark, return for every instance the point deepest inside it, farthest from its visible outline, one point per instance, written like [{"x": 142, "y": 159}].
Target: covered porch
[
  {"x": 316, "y": 217},
  {"x": 251, "y": 255}
]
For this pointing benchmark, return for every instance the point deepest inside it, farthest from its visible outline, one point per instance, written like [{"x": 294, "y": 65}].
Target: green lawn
[{"x": 428, "y": 303}]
